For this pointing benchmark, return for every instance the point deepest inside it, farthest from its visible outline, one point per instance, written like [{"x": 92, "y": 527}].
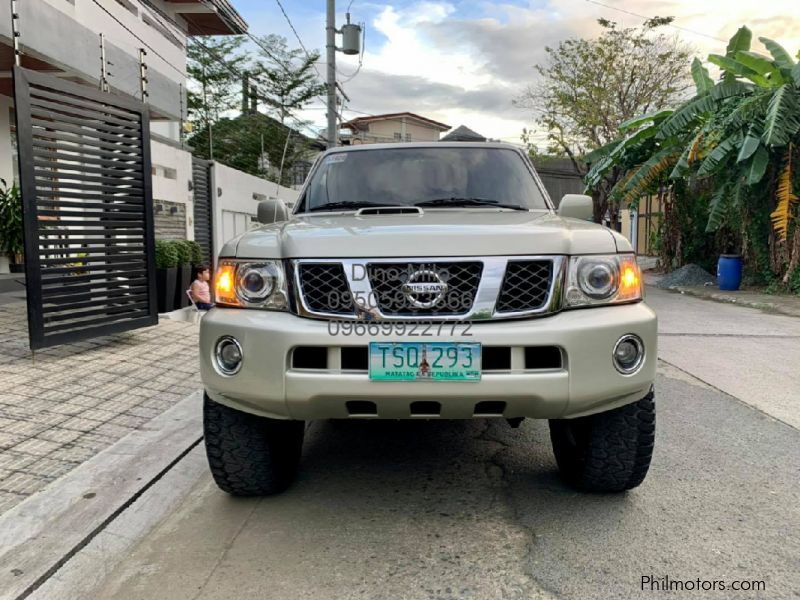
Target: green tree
[
  {"x": 738, "y": 138},
  {"x": 588, "y": 88},
  {"x": 214, "y": 85},
  {"x": 287, "y": 79},
  {"x": 238, "y": 143}
]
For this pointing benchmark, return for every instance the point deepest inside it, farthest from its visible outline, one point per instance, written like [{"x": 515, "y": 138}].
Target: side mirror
[
  {"x": 576, "y": 206},
  {"x": 272, "y": 211}
]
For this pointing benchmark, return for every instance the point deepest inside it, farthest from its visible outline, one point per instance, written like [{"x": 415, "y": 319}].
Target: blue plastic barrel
[{"x": 729, "y": 272}]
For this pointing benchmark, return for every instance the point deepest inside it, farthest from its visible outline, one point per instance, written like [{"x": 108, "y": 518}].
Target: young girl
[{"x": 201, "y": 294}]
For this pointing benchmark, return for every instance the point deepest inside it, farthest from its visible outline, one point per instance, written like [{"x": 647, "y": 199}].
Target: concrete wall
[
  {"x": 235, "y": 200},
  {"x": 172, "y": 172},
  {"x": 67, "y": 35},
  {"x": 133, "y": 14},
  {"x": 6, "y": 165}
]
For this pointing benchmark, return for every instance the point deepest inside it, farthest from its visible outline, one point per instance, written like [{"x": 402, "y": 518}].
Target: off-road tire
[
  {"x": 608, "y": 451},
  {"x": 250, "y": 455}
]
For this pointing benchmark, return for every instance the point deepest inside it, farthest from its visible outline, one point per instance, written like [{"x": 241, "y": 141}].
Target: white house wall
[
  {"x": 236, "y": 197},
  {"x": 67, "y": 36},
  {"x": 172, "y": 172},
  {"x": 6, "y": 164}
]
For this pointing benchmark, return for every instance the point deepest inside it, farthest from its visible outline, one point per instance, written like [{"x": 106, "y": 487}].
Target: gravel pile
[{"x": 687, "y": 275}]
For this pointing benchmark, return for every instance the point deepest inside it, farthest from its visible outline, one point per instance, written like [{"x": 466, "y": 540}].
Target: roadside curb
[
  {"x": 729, "y": 298},
  {"x": 45, "y": 531}
]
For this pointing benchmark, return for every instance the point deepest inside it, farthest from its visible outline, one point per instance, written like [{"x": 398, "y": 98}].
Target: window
[
  {"x": 398, "y": 137},
  {"x": 405, "y": 175},
  {"x": 408, "y": 137}
]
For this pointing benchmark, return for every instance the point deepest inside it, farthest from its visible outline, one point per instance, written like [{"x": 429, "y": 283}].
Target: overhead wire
[
  {"x": 145, "y": 44},
  {"x": 240, "y": 76},
  {"x": 646, "y": 18}
]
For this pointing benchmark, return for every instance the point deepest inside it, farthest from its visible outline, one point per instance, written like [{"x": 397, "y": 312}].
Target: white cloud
[{"x": 467, "y": 70}]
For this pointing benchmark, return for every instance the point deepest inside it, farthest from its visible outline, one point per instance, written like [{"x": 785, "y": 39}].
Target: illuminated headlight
[
  {"x": 607, "y": 279},
  {"x": 251, "y": 284}
]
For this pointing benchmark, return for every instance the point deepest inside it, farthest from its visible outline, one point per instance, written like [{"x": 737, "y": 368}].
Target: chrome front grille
[
  {"x": 389, "y": 283},
  {"x": 526, "y": 286},
  {"x": 435, "y": 288},
  {"x": 324, "y": 288}
]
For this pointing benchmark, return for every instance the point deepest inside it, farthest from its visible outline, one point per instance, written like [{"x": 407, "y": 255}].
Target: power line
[
  {"x": 240, "y": 76},
  {"x": 148, "y": 46},
  {"x": 297, "y": 35},
  {"x": 628, "y": 12}
]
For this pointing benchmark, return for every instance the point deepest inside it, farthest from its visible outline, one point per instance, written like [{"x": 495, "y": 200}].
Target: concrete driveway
[{"x": 476, "y": 510}]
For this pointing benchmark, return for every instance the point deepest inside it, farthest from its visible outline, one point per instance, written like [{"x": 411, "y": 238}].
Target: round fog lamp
[
  {"x": 228, "y": 356},
  {"x": 628, "y": 354}
]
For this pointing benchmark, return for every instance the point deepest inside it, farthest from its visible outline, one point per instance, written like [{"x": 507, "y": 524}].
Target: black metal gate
[
  {"x": 203, "y": 212},
  {"x": 85, "y": 178}
]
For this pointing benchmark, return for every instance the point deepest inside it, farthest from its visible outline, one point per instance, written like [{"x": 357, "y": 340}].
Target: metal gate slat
[
  {"x": 44, "y": 115},
  {"x": 85, "y": 178},
  {"x": 91, "y": 116},
  {"x": 61, "y": 94}
]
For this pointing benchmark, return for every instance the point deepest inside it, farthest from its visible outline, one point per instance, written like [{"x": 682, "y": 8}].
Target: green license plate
[{"x": 425, "y": 361}]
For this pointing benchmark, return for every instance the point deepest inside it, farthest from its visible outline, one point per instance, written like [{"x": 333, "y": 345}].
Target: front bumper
[{"x": 586, "y": 383}]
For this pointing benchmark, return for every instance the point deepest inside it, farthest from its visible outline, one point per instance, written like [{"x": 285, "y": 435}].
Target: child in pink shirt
[{"x": 201, "y": 294}]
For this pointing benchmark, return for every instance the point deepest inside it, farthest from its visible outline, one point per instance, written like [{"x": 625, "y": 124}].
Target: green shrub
[
  {"x": 184, "y": 251},
  {"x": 197, "y": 253},
  {"x": 166, "y": 254},
  {"x": 11, "y": 241}
]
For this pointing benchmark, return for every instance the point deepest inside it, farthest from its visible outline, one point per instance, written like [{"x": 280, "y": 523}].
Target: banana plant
[{"x": 730, "y": 134}]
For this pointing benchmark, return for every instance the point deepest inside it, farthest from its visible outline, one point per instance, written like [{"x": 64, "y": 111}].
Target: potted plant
[
  {"x": 197, "y": 254},
  {"x": 166, "y": 274},
  {"x": 184, "y": 251},
  {"x": 11, "y": 241}
]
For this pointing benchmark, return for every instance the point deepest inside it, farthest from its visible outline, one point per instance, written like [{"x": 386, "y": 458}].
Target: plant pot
[
  {"x": 729, "y": 272},
  {"x": 184, "y": 280},
  {"x": 165, "y": 289}
]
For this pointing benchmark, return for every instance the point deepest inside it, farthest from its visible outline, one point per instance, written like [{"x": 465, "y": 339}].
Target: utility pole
[
  {"x": 351, "y": 44},
  {"x": 330, "y": 46}
]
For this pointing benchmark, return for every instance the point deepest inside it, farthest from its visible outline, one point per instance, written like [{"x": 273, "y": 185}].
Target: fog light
[
  {"x": 228, "y": 355},
  {"x": 628, "y": 354}
]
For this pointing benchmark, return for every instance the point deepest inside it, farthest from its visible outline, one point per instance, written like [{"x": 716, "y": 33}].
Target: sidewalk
[
  {"x": 68, "y": 403},
  {"x": 783, "y": 304}
]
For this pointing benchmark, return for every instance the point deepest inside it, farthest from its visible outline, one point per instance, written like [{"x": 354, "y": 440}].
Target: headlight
[
  {"x": 252, "y": 284},
  {"x": 610, "y": 279}
]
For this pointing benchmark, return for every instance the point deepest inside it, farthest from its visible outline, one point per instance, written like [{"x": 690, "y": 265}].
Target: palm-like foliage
[{"x": 728, "y": 136}]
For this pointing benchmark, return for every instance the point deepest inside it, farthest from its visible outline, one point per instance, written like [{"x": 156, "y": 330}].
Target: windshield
[{"x": 470, "y": 176}]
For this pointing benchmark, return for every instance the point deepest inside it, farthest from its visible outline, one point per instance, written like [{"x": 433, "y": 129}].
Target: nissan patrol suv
[{"x": 428, "y": 281}]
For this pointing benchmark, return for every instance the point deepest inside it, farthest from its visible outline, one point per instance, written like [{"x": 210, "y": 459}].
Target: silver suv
[{"x": 428, "y": 281}]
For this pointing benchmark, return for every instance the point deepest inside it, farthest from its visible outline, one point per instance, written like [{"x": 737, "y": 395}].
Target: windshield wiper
[
  {"x": 456, "y": 201},
  {"x": 347, "y": 205}
]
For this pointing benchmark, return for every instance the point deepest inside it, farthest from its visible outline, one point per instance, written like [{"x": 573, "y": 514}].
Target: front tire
[
  {"x": 608, "y": 451},
  {"x": 250, "y": 455}
]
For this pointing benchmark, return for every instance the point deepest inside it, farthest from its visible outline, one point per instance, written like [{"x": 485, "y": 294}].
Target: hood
[{"x": 438, "y": 232}]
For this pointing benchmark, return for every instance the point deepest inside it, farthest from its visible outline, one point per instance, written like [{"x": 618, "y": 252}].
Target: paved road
[{"x": 475, "y": 509}]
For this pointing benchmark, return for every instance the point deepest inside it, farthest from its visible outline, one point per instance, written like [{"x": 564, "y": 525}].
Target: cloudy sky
[{"x": 464, "y": 61}]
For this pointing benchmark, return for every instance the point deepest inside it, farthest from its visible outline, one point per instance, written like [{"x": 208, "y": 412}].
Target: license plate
[{"x": 427, "y": 361}]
